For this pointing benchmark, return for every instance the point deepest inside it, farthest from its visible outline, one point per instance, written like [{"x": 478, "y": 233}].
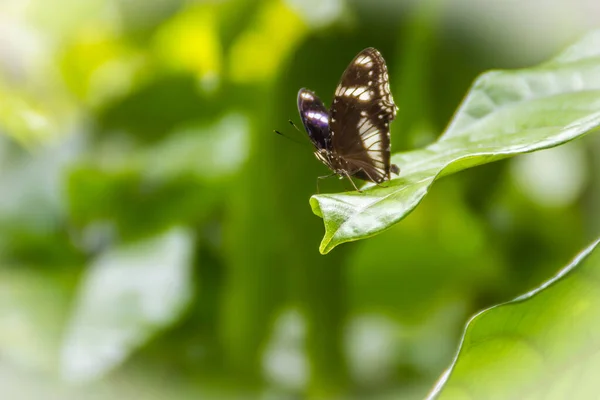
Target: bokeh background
[{"x": 156, "y": 240}]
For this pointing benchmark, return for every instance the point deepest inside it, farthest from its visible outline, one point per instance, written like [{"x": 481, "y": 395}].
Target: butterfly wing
[
  {"x": 360, "y": 118},
  {"x": 315, "y": 118}
]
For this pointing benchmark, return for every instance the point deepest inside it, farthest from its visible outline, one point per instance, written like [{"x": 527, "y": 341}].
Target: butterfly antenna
[
  {"x": 290, "y": 138},
  {"x": 294, "y": 125},
  {"x": 301, "y": 132}
]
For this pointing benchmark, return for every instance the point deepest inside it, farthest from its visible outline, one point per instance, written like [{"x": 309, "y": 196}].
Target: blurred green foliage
[{"x": 155, "y": 236}]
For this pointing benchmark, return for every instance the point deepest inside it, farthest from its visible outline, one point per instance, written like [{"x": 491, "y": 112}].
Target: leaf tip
[
  {"x": 315, "y": 204},
  {"x": 325, "y": 246}
]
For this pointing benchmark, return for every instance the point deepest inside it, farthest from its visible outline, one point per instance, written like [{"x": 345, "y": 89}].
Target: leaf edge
[{"x": 561, "y": 274}]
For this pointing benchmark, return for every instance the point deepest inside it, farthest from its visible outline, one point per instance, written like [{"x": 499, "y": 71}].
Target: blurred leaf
[
  {"x": 33, "y": 307},
  {"x": 540, "y": 345},
  {"x": 30, "y": 181},
  {"x": 97, "y": 65},
  {"x": 137, "y": 206},
  {"x": 51, "y": 19},
  {"x": 177, "y": 42},
  {"x": 26, "y": 118},
  {"x": 127, "y": 295},
  {"x": 319, "y": 13},
  {"x": 176, "y": 181},
  {"x": 35, "y": 104},
  {"x": 258, "y": 53},
  {"x": 505, "y": 113},
  {"x": 33, "y": 230},
  {"x": 155, "y": 108},
  {"x": 211, "y": 152}
]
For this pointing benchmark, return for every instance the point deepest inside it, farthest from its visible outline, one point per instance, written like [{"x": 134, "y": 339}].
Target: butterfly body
[{"x": 353, "y": 137}]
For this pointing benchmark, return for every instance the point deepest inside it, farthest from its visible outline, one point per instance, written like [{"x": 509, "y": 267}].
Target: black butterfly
[{"x": 353, "y": 138}]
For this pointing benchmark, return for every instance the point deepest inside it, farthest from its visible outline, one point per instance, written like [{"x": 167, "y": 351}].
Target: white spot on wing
[
  {"x": 318, "y": 116},
  {"x": 373, "y": 143},
  {"x": 369, "y": 134},
  {"x": 365, "y": 96},
  {"x": 354, "y": 91},
  {"x": 364, "y": 60},
  {"x": 349, "y": 91},
  {"x": 307, "y": 96}
]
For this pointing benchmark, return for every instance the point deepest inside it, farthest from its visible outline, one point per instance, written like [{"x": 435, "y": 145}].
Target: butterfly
[{"x": 353, "y": 137}]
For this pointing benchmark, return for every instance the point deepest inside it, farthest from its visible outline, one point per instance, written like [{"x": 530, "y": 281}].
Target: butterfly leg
[
  {"x": 323, "y": 177},
  {"x": 372, "y": 180},
  {"x": 352, "y": 182}
]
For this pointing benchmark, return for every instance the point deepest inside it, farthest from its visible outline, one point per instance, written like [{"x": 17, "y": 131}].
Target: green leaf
[
  {"x": 127, "y": 295},
  {"x": 505, "y": 113},
  {"x": 214, "y": 152},
  {"x": 543, "y": 344}
]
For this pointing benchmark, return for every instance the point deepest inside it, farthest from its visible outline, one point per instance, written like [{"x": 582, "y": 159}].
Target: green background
[{"x": 156, "y": 237}]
